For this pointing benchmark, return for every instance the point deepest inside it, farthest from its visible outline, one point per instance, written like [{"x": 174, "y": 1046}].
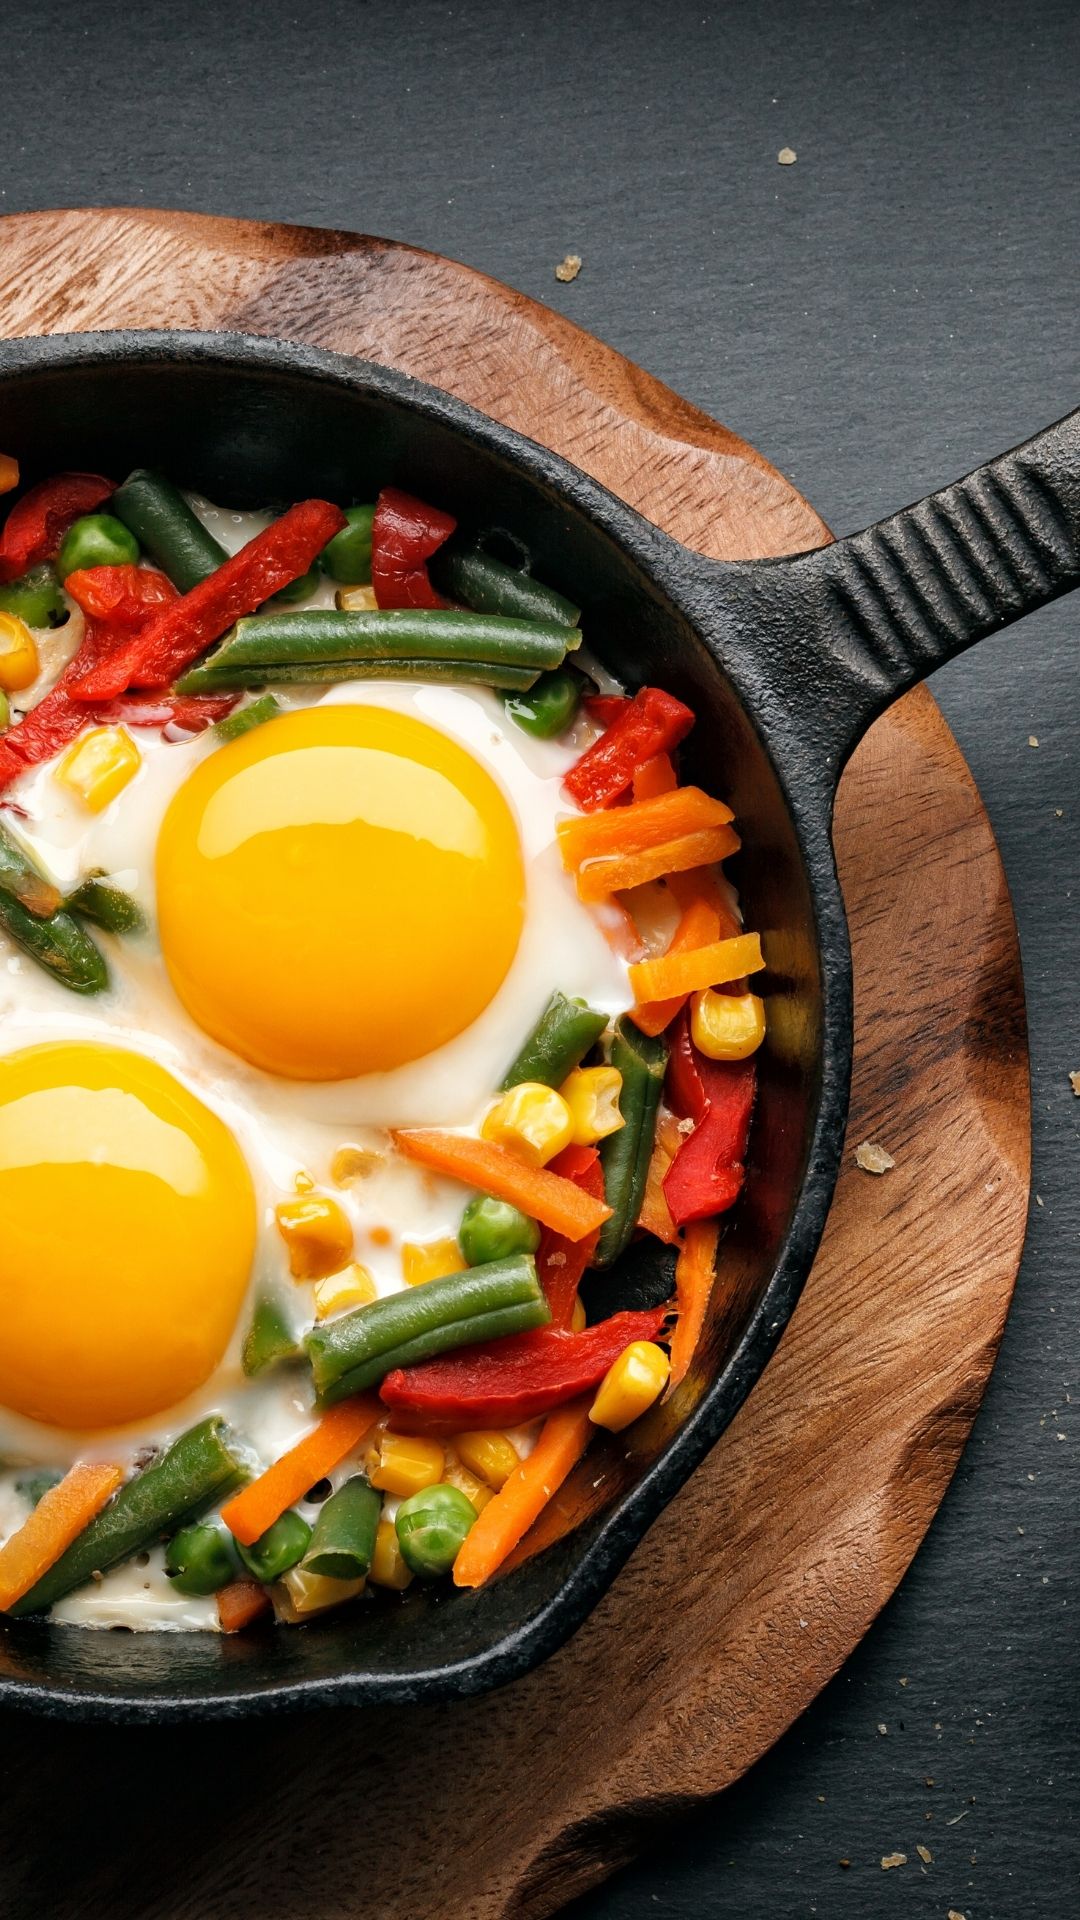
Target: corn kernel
[
  {"x": 9, "y": 473},
  {"x": 99, "y": 766},
  {"x": 630, "y": 1385},
  {"x": 490, "y": 1455},
  {"x": 431, "y": 1261},
  {"x": 19, "y": 664},
  {"x": 318, "y": 1236},
  {"x": 592, "y": 1095},
  {"x": 297, "y": 1595},
  {"x": 408, "y": 1462},
  {"x": 457, "y": 1474},
  {"x": 727, "y": 1026},
  {"x": 532, "y": 1121},
  {"x": 353, "y": 1163},
  {"x": 352, "y": 1287},
  {"x": 388, "y": 1567},
  {"x": 577, "y": 1316},
  {"x": 304, "y": 1183}
]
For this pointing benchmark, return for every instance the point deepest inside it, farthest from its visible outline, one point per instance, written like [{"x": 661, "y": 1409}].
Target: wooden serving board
[{"x": 814, "y": 1501}]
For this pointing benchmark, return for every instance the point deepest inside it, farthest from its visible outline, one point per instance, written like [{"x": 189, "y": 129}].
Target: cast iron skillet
[{"x": 786, "y": 663}]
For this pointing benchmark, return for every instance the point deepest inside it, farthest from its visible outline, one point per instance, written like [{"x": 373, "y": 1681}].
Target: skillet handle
[{"x": 848, "y": 628}]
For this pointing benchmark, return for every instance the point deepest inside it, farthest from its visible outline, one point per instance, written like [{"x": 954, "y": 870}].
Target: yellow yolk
[
  {"x": 128, "y": 1236},
  {"x": 339, "y": 891}
]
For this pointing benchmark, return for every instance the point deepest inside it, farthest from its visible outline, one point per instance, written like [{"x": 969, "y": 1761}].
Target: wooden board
[{"x": 767, "y": 1569}]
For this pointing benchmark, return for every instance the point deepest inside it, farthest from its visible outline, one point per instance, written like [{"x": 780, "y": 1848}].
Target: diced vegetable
[
  {"x": 592, "y": 1096},
  {"x": 561, "y": 1262},
  {"x": 99, "y": 766},
  {"x": 168, "y": 528},
  {"x": 191, "y": 1476},
  {"x": 56, "y": 941},
  {"x": 457, "y": 1474},
  {"x": 550, "y": 706},
  {"x": 655, "y": 776},
  {"x": 332, "y": 637},
  {"x": 494, "y": 1230},
  {"x": 37, "y": 523},
  {"x": 490, "y": 586},
  {"x": 23, "y": 881},
  {"x": 60, "y": 1516},
  {"x": 699, "y": 926},
  {"x": 706, "y": 1176},
  {"x": 630, "y": 1385},
  {"x": 431, "y": 1528},
  {"x": 108, "y": 907},
  {"x": 695, "y": 1274},
  {"x": 240, "y": 1604},
  {"x": 299, "y": 1595},
  {"x": 532, "y": 1121},
  {"x": 36, "y": 598},
  {"x": 727, "y": 1026},
  {"x": 279, "y": 1548},
  {"x": 543, "y": 1195},
  {"x": 618, "y": 872},
  {"x": 560, "y": 1039},
  {"x": 252, "y": 1511},
  {"x": 200, "y": 1560},
  {"x": 652, "y": 722},
  {"x": 269, "y": 1339},
  {"x": 352, "y": 1287},
  {"x": 686, "y": 972},
  {"x": 625, "y": 1155},
  {"x": 408, "y": 1462},
  {"x": 432, "y": 1260},
  {"x": 347, "y": 557},
  {"x": 507, "y": 1518},
  {"x": 122, "y": 597},
  {"x": 641, "y": 825},
  {"x": 243, "y": 719},
  {"x": 343, "y": 1539},
  {"x": 489, "y": 1454},
  {"x": 317, "y": 1233},
  {"x": 655, "y": 1216},
  {"x": 388, "y": 1566},
  {"x": 19, "y": 664},
  {"x": 405, "y": 532},
  {"x": 9, "y": 473},
  {"x": 96, "y": 540}
]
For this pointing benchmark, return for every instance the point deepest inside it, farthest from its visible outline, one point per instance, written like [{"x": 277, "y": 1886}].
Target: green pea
[
  {"x": 200, "y": 1560},
  {"x": 97, "y": 540},
  {"x": 549, "y": 706},
  {"x": 494, "y": 1230},
  {"x": 297, "y": 590},
  {"x": 347, "y": 557},
  {"x": 36, "y": 597},
  {"x": 431, "y": 1528},
  {"x": 279, "y": 1548}
]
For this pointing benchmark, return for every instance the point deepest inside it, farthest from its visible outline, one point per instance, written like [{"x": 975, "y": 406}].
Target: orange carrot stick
[
  {"x": 689, "y": 972},
  {"x": 248, "y": 1514},
  {"x": 563, "y": 1439},
  {"x": 544, "y": 1196},
  {"x": 655, "y": 776},
  {"x": 240, "y": 1603},
  {"x": 699, "y": 926},
  {"x": 618, "y": 872},
  {"x": 695, "y": 1273},
  {"x": 643, "y": 824},
  {"x": 59, "y": 1517},
  {"x": 703, "y": 883}
]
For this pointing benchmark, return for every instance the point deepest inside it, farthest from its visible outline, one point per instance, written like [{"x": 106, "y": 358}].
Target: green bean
[
  {"x": 269, "y": 1339},
  {"x": 344, "y": 1537},
  {"x": 168, "y": 528},
  {"x": 108, "y": 907},
  {"x": 34, "y": 1485},
  {"x": 36, "y": 597},
  {"x": 21, "y": 880},
  {"x": 489, "y": 586},
  {"x": 494, "y": 1230},
  {"x": 97, "y": 540},
  {"x": 198, "y": 1470},
  {"x": 551, "y": 705},
  {"x": 431, "y": 1527},
  {"x": 243, "y": 719},
  {"x": 625, "y": 1155},
  {"x": 279, "y": 1548},
  {"x": 461, "y": 673},
  {"x": 200, "y": 1560},
  {"x": 347, "y": 557},
  {"x": 359, "y": 1348},
  {"x": 331, "y": 636},
  {"x": 58, "y": 943},
  {"x": 559, "y": 1041}
]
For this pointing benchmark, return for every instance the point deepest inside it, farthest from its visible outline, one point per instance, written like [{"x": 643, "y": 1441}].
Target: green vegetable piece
[
  {"x": 279, "y": 1548},
  {"x": 358, "y": 1349},
  {"x": 57, "y": 942},
  {"x": 269, "y": 1339},
  {"x": 458, "y": 673},
  {"x": 625, "y": 1155},
  {"x": 559, "y": 1042},
  {"x": 297, "y": 590},
  {"x": 195, "y": 1473},
  {"x": 340, "y": 636},
  {"x": 22, "y": 879},
  {"x": 494, "y": 1230},
  {"x": 347, "y": 557},
  {"x": 431, "y": 1527},
  {"x": 5, "y": 711},
  {"x": 168, "y": 528},
  {"x": 550, "y": 706},
  {"x": 490, "y": 586},
  {"x": 33, "y": 1485},
  {"x": 36, "y": 597},
  {"x": 343, "y": 1540},
  {"x": 200, "y": 1560},
  {"x": 108, "y": 907},
  {"x": 244, "y": 719},
  {"x": 97, "y": 540}
]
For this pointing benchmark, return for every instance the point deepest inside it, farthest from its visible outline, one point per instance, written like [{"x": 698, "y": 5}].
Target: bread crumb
[
  {"x": 893, "y": 1860},
  {"x": 787, "y": 156},
  {"x": 953, "y": 1915},
  {"x": 1032, "y": 740},
  {"x": 569, "y": 267},
  {"x": 925, "y": 1855},
  {"x": 874, "y": 1159},
  {"x": 1074, "y": 1082}
]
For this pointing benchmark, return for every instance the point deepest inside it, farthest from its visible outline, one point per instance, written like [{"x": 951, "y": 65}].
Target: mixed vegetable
[{"x": 448, "y": 1414}]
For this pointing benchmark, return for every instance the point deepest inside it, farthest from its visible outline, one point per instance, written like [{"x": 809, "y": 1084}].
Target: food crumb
[
  {"x": 1033, "y": 740},
  {"x": 903, "y": 1679},
  {"x": 893, "y": 1860},
  {"x": 953, "y": 1915},
  {"x": 874, "y": 1159},
  {"x": 881, "y": 1727},
  {"x": 925, "y": 1855},
  {"x": 787, "y": 156},
  {"x": 843, "y": 1863},
  {"x": 569, "y": 267},
  {"x": 1074, "y": 1082}
]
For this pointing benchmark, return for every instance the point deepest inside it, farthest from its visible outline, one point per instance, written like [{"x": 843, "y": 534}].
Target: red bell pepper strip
[
  {"x": 511, "y": 1381},
  {"x": 707, "y": 1173},
  {"x": 185, "y": 628},
  {"x": 652, "y": 722},
  {"x": 561, "y": 1262},
  {"x": 35, "y": 527},
  {"x": 123, "y": 596},
  {"x": 605, "y": 707},
  {"x": 404, "y": 534}
]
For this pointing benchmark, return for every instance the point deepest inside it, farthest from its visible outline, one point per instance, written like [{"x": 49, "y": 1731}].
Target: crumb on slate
[
  {"x": 925, "y": 1855},
  {"x": 569, "y": 267},
  {"x": 1032, "y": 740},
  {"x": 893, "y": 1860},
  {"x": 872, "y": 1158},
  {"x": 1074, "y": 1082},
  {"x": 787, "y": 156}
]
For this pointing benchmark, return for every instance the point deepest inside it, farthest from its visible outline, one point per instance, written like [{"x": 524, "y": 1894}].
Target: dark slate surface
[{"x": 895, "y": 306}]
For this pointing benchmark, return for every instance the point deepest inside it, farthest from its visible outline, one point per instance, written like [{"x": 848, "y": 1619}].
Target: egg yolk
[
  {"x": 127, "y": 1240},
  {"x": 339, "y": 891}
]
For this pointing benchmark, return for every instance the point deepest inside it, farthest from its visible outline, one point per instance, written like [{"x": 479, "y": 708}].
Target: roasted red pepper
[
  {"x": 560, "y": 1262},
  {"x": 514, "y": 1380},
  {"x": 123, "y": 596},
  {"x": 36, "y": 525},
  {"x": 186, "y": 627},
  {"x": 604, "y": 707},
  {"x": 404, "y": 534},
  {"x": 707, "y": 1173},
  {"x": 652, "y": 722}
]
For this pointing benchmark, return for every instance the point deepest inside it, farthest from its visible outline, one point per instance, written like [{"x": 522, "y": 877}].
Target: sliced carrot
[
  {"x": 695, "y": 1274},
  {"x": 655, "y": 776},
  {"x": 699, "y": 926},
  {"x": 543, "y": 1195},
  {"x": 507, "y": 1517},
  {"x": 248, "y": 1514},
  {"x": 699, "y": 967},
  {"x": 241, "y": 1602},
  {"x": 655, "y": 1215},
  {"x": 703, "y": 883},
  {"x": 619, "y": 872},
  {"x": 59, "y": 1517},
  {"x": 642, "y": 824}
]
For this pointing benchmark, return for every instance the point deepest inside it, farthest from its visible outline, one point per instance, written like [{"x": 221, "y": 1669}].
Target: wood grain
[{"x": 764, "y": 1573}]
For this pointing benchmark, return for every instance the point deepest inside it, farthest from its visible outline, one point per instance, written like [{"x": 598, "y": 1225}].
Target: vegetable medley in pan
[{"x": 372, "y": 984}]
